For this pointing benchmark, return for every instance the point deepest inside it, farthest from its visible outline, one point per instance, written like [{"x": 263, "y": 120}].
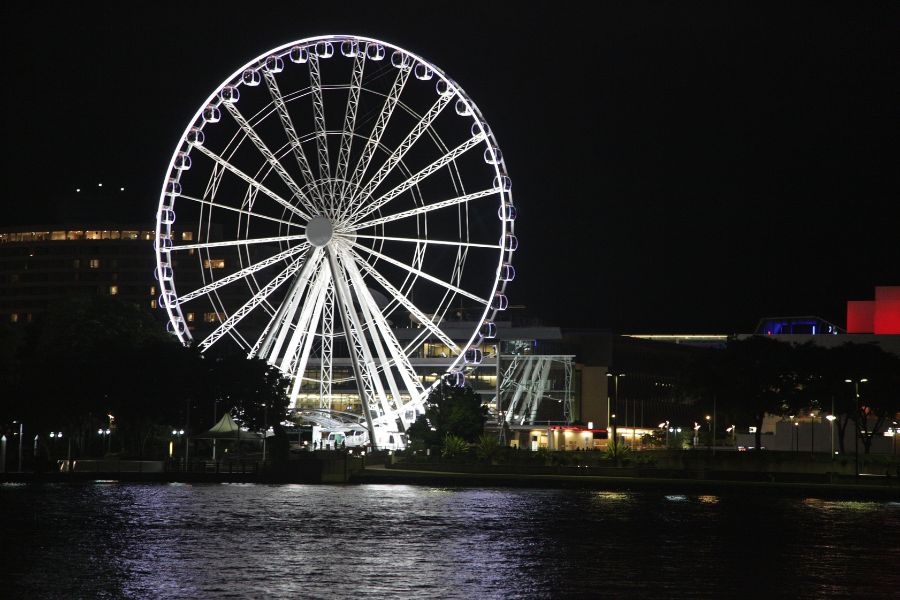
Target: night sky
[{"x": 678, "y": 167}]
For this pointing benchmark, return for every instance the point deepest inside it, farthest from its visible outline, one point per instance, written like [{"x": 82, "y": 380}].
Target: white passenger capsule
[
  {"x": 423, "y": 72},
  {"x": 455, "y": 379},
  {"x": 462, "y": 108},
  {"x": 507, "y": 212},
  {"x": 163, "y": 272},
  {"x": 375, "y": 51},
  {"x": 195, "y": 136},
  {"x": 349, "y": 48},
  {"x": 493, "y": 156},
  {"x": 211, "y": 114},
  {"x": 324, "y": 50},
  {"x": 474, "y": 356},
  {"x": 182, "y": 161},
  {"x": 510, "y": 242},
  {"x": 167, "y": 216},
  {"x": 500, "y": 302},
  {"x": 401, "y": 60},
  {"x": 503, "y": 182},
  {"x": 299, "y": 54},
  {"x": 480, "y": 129},
  {"x": 173, "y": 187},
  {"x": 251, "y": 77},
  {"x": 488, "y": 330},
  {"x": 507, "y": 272},
  {"x": 443, "y": 88},
  {"x": 230, "y": 94},
  {"x": 274, "y": 64},
  {"x": 163, "y": 244},
  {"x": 176, "y": 327},
  {"x": 167, "y": 300}
]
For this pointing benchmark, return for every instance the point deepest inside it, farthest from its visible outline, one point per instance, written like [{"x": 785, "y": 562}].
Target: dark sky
[{"x": 678, "y": 167}]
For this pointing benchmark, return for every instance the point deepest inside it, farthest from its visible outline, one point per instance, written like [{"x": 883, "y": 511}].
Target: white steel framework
[{"x": 337, "y": 188}]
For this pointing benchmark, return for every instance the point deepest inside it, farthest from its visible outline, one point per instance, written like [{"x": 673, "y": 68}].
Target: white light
[
  {"x": 590, "y": 424},
  {"x": 77, "y": 190},
  {"x": 99, "y": 185},
  {"x": 121, "y": 189},
  {"x": 174, "y": 432},
  {"x": 181, "y": 432},
  {"x": 52, "y": 434}
]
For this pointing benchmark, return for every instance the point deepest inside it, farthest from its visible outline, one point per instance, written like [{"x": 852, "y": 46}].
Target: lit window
[
  {"x": 129, "y": 235},
  {"x": 94, "y": 263},
  {"x": 190, "y": 317},
  {"x": 113, "y": 290},
  {"x": 153, "y": 304},
  {"x": 92, "y": 235},
  {"x": 14, "y": 318},
  {"x": 187, "y": 235},
  {"x": 152, "y": 290},
  {"x": 214, "y": 263},
  {"x": 114, "y": 234},
  {"x": 75, "y": 235},
  {"x": 212, "y": 317},
  {"x": 148, "y": 235},
  {"x": 57, "y": 235}
]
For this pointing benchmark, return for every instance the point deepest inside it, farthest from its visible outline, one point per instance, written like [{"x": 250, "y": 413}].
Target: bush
[
  {"x": 617, "y": 451},
  {"x": 454, "y": 446},
  {"x": 488, "y": 447}
]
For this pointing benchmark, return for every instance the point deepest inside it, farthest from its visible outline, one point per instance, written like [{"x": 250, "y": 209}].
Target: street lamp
[
  {"x": 665, "y": 425},
  {"x": 104, "y": 433},
  {"x": 616, "y": 395},
  {"x": 831, "y": 419},
  {"x": 856, "y": 383},
  {"x": 733, "y": 431},
  {"x": 696, "y": 433}
]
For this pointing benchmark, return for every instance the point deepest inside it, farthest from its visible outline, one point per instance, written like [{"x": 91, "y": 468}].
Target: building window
[
  {"x": 94, "y": 263},
  {"x": 57, "y": 235},
  {"x": 75, "y": 235},
  {"x": 14, "y": 318},
  {"x": 114, "y": 234},
  {"x": 187, "y": 235},
  {"x": 212, "y": 317},
  {"x": 152, "y": 290},
  {"x": 148, "y": 235},
  {"x": 213, "y": 263},
  {"x": 153, "y": 304},
  {"x": 92, "y": 235},
  {"x": 190, "y": 317},
  {"x": 113, "y": 290}
]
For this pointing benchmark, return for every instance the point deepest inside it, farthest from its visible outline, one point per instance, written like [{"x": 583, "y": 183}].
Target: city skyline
[{"x": 675, "y": 170}]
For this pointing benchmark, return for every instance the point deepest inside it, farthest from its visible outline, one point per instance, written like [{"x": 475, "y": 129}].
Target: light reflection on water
[{"x": 242, "y": 540}]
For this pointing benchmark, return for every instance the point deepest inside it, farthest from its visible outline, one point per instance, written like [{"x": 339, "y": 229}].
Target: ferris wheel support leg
[{"x": 345, "y": 307}]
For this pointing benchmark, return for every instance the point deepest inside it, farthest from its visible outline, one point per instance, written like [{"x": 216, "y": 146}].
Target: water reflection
[{"x": 212, "y": 541}]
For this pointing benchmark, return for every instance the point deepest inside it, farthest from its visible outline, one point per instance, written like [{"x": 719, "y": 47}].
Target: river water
[{"x": 111, "y": 540}]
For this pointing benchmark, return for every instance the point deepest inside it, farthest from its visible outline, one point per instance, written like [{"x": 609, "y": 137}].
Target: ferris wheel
[{"x": 339, "y": 200}]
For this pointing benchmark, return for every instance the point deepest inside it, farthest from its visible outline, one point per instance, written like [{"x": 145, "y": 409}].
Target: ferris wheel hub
[{"x": 319, "y": 231}]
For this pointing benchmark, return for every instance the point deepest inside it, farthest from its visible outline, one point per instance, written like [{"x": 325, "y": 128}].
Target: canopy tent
[{"x": 227, "y": 429}]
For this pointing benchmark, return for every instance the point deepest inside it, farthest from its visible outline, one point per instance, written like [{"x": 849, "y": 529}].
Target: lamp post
[
  {"x": 696, "y": 433},
  {"x": 797, "y": 436},
  {"x": 733, "y": 431},
  {"x": 616, "y": 396},
  {"x": 709, "y": 428},
  {"x": 831, "y": 419},
  {"x": 665, "y": 425},
  {"x": 856, "y": 383},
  {"x": 104, "y": 433},
  {"x": 20, "y": 444}
]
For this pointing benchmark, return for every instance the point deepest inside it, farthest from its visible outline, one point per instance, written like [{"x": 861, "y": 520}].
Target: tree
[{"x": 449, "y": 410}]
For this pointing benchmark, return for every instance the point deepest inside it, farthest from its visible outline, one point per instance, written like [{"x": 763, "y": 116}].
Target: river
[{"x": 111, "y": 540}]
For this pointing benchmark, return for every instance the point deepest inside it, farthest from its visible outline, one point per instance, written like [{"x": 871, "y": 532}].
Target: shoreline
[{"x": 380, "y": 475}]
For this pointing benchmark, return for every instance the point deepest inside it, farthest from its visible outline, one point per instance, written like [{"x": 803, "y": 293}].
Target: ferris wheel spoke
[
  {"x": 249, "y": 180},
  {"x": 315, "y": 78},
  {"x": 267, "y": 154},
  {"x": 266, "y": 240},
  {"x": 421, "y": 274},
  {"x": 387, "y": 109},
  {"x": 304, "y": 334},
  {"x": 281, "y": 322},
  {"x": 397, "y": 155},
  {"x": 327, "y": 353},
  {"x": 374, "y": 316},
  {"x": 288, "y": 125},
  {"x": 242, "y": 211},
  {"x": 228, "y": 324},
  {"x": 405, "y": 302},
  {"x": 425, "y": 241},
  {"x": 370, "y": 398},
  {"x": 238, "y": 275},
  {"x": 374, "y": 330},
  {"x": 423, "y": 209},
  {"x": 422, "y": 174},
  {"x": 359, "y": 63}
]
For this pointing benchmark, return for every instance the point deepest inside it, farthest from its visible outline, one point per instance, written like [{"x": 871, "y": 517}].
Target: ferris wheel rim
[{"x": 506, "y": 226}]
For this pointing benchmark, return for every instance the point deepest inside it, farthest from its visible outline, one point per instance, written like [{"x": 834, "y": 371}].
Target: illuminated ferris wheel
[{"x": 330, "y": 193}]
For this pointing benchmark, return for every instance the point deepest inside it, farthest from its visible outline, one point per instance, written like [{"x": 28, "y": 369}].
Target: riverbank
[{"x": 866, "y": 489}]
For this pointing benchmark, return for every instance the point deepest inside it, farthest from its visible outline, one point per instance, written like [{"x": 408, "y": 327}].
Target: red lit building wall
[{"x": 880, "y": 316}]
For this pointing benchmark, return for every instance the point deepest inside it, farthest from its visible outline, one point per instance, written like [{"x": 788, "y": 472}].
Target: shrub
[{"x": 454, "y": 446}]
